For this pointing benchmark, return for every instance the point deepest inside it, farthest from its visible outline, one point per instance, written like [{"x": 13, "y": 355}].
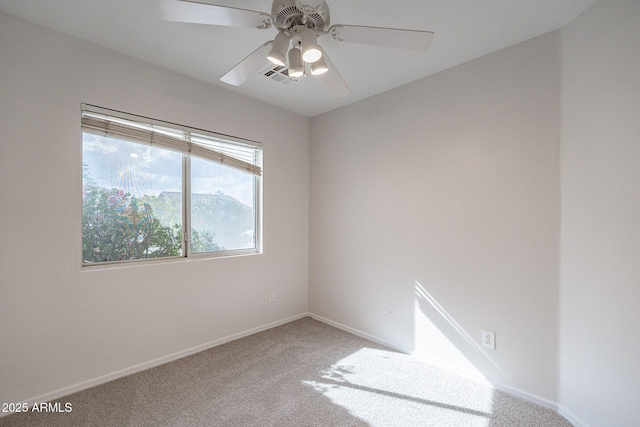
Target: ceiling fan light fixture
[
  {"x": 311, "y": 51},
  {"x": 278, "y": 54},
  {"x": 296, "y": 66},
  {"x": 319, "y": 67},
  {"x": 298, "y": 24}
]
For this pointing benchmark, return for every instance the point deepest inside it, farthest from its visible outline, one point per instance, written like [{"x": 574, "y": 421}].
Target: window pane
[
  {"x": 131, "y": 200},
  {"x": 222, "y": 207}
]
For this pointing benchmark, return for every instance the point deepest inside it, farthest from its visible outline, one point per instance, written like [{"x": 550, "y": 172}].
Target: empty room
[{"x": 319, "y": 213}]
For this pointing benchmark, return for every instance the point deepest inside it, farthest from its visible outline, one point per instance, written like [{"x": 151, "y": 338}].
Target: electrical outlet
[
  {"x": 489, "y": 339},
  {"x": 272, "y": 297}
]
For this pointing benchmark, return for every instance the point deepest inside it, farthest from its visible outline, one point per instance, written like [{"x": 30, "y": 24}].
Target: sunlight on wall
[
  {"x": 388, "y": 388},
  {"x": 440, "y": 339}
]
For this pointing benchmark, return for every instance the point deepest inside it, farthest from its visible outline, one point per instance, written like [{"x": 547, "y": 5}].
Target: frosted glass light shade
[
  {"x": 278, "y": 54},
  {"x": 311, "y": 51},
  {"x": 319, "y": 67},
  {"x": 296, "y": 66}
]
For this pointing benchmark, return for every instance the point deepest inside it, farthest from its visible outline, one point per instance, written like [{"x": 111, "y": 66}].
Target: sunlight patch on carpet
[{"x": 388, "y": 388}]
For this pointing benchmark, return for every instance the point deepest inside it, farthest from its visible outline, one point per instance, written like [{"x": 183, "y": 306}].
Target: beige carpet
[{"x": 304, "y": 373}]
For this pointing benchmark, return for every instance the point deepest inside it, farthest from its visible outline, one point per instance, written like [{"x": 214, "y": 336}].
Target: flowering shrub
[{"x": 118, "y": 226}]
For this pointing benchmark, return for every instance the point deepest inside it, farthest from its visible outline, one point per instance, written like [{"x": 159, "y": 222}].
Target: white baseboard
[
  {"x": 57, "y": 394},
  {"x": 571, "y": 417},
  {"x": 358, "y": 333},
  {"x": 541, "y": 401},
  {"x": 525, "y": 395}
]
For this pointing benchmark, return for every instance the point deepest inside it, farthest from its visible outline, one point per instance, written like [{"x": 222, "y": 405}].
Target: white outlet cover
[{"x": 489, "y": 339}]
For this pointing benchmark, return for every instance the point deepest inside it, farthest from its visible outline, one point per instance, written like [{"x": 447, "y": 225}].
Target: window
[{"x": 152, "y": 189}]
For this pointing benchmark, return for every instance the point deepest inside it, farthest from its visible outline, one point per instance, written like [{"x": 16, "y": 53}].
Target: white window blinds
[{"x": 238, "y": 154}]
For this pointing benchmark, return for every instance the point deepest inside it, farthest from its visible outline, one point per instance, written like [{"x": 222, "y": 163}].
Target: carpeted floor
[{"x": 304, "y": 373}]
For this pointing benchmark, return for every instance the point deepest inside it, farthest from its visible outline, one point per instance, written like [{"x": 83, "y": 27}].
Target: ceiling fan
[{"x": 295, "y": 48}]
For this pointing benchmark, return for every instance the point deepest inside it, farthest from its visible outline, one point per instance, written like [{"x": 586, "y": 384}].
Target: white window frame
[{"x": 208, "y": 145}]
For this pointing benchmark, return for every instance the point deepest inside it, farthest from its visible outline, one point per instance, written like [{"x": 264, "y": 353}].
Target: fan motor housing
[{"x": 287, "y": 15}]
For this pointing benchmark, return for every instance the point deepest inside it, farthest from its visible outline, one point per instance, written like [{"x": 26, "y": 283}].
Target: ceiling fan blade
[
  {"x": 385, "y": 37},
  {"x": 248, "y": 66},
  {"x": 210, "y": 14},
  {"x": 333, "y": 80}
]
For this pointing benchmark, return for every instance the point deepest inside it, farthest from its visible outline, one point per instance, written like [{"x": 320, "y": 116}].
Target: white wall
[
  {"x": 60, "y": 326},
  {"x": 439, "y": 201},
  {"x": 600, "y": 267}
]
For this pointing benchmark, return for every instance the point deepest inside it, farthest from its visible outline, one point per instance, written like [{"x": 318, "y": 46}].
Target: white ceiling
[{"x": 464, "y": 30}]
